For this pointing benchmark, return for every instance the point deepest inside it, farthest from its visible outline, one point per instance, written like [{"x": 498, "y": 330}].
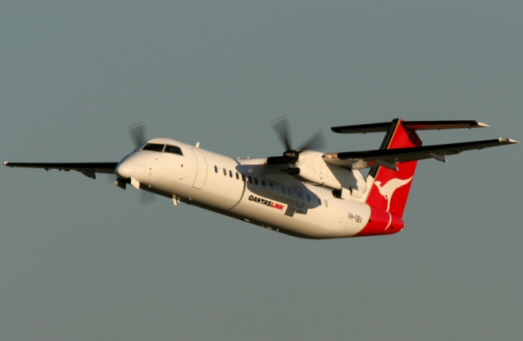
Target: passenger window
[
  {"x": 216, "y": 169},
  {"x": 154, "y": 147},
  {"x": 243, "y": 177},
  {"x": 283, "y": 189},
  {"x": 263, "y": 183},
  {"x": 225, "y": 172},
  {"x": 256, "y": 181},
  {"x": 237, "y": 176},
  {"x": 230, "y": 173},
  {"x": 271, "y": 186},
  {"x": 173, "y": 150},
  {"x": 250, "y": 179},
  {"x": 289, "y": 192}
]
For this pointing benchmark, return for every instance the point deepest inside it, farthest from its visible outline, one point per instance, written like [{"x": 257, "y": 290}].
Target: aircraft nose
[{"x": 125, "y": 169}]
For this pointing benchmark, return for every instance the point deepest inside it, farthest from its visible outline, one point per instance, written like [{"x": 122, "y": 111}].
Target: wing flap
[{"x": 371, "y": 158}]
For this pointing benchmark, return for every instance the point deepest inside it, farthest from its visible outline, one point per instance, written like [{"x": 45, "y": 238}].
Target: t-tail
[
  {"x": 390, "y": 183},
  {"x": 394, "y": 165}
]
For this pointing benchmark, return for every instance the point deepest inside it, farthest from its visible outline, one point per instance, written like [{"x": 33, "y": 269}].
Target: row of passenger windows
[
  {"x": 155, "y": 147},
  {"x": 249, "y": 179}
]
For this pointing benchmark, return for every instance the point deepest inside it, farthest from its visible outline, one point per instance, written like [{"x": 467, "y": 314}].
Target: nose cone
[{"x": 125, "y": 169}]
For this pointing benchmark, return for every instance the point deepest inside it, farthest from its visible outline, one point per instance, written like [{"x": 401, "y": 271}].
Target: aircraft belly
[
  {"x": 338, "y": 219},
  {"x": 274, "y": 215}
]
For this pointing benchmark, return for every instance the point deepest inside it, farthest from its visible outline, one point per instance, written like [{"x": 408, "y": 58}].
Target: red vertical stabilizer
[{"x": 391, "y": 187}]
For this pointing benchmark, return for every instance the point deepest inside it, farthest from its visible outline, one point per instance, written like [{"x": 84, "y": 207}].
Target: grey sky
[{"x": 80, "y": 259}]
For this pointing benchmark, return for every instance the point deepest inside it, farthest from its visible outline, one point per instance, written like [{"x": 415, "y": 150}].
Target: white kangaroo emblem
[{"x": 390, "y": 187}]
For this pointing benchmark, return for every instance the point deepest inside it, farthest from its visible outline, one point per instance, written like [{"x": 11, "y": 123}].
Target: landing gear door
[{"x": 201, "y": 169}]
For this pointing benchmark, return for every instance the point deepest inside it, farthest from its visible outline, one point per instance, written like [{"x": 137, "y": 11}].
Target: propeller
[
  {"x": 137, "y": 132},
  {"x": 146, "y": 198},
  {"x": 111, "y": 178},
  {"x": 291, "y": 155}
]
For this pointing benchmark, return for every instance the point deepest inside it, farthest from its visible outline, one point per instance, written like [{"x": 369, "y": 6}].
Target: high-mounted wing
[
  {"x": 390, "y": 157},
  {"x": 86, "y": 168}
]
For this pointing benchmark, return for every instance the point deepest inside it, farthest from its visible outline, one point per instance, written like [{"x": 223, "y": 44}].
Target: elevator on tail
[{"x": 303, "y": 192}]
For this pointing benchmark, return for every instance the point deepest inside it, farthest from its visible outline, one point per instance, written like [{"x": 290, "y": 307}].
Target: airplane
[{"x": 303, "y": 193}]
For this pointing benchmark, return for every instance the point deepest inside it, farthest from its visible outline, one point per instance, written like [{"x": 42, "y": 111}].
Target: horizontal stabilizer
[
  {"x": 371, "y": 158},
  {"x": 414, "y": 125}
]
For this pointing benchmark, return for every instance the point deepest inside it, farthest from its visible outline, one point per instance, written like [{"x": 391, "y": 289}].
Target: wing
[
  {"x": 86, "y": 168},
  {"x": 389, "y": 157}
]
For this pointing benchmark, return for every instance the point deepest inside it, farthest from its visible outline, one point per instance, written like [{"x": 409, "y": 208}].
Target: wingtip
[
  {"x": 482, "y": 125},
  {"x": 6, "y": 163},
  {"x": 507, "y": 140}
]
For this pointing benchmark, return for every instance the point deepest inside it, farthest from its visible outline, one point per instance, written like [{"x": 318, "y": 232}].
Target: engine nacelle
[
  {"x": 307, "y": 174},
  {"x": 312, "y": 168}
]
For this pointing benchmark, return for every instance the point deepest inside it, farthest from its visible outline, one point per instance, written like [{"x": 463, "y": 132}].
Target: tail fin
[{"x": 392, "y": 182}]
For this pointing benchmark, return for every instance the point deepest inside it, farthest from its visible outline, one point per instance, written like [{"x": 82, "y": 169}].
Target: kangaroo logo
[{"x": 387, "y": 190}]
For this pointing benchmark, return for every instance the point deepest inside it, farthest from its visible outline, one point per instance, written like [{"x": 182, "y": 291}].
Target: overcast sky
[{"x": 81, "y": 260}]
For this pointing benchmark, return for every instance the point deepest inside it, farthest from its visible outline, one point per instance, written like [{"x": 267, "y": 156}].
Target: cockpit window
[
  {"x": 154, "y": 147},
  {"x": 173, "y": 149}
]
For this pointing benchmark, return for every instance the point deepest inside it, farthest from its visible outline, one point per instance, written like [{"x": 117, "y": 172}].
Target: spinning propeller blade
[
  {"x": 317, "y": 141},
  {"x": 281, "y": 126},
  {"x": 137, "y": 132},
  {"x": 146, "y": 198}
]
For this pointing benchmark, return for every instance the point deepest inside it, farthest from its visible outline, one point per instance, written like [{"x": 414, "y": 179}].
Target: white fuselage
[{"x": 247, "y": 189}]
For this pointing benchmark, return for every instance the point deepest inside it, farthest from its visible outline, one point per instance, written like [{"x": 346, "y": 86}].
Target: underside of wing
[
  {"x": 86, "y": 168},
  {"x": 390, "y": 157}
]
